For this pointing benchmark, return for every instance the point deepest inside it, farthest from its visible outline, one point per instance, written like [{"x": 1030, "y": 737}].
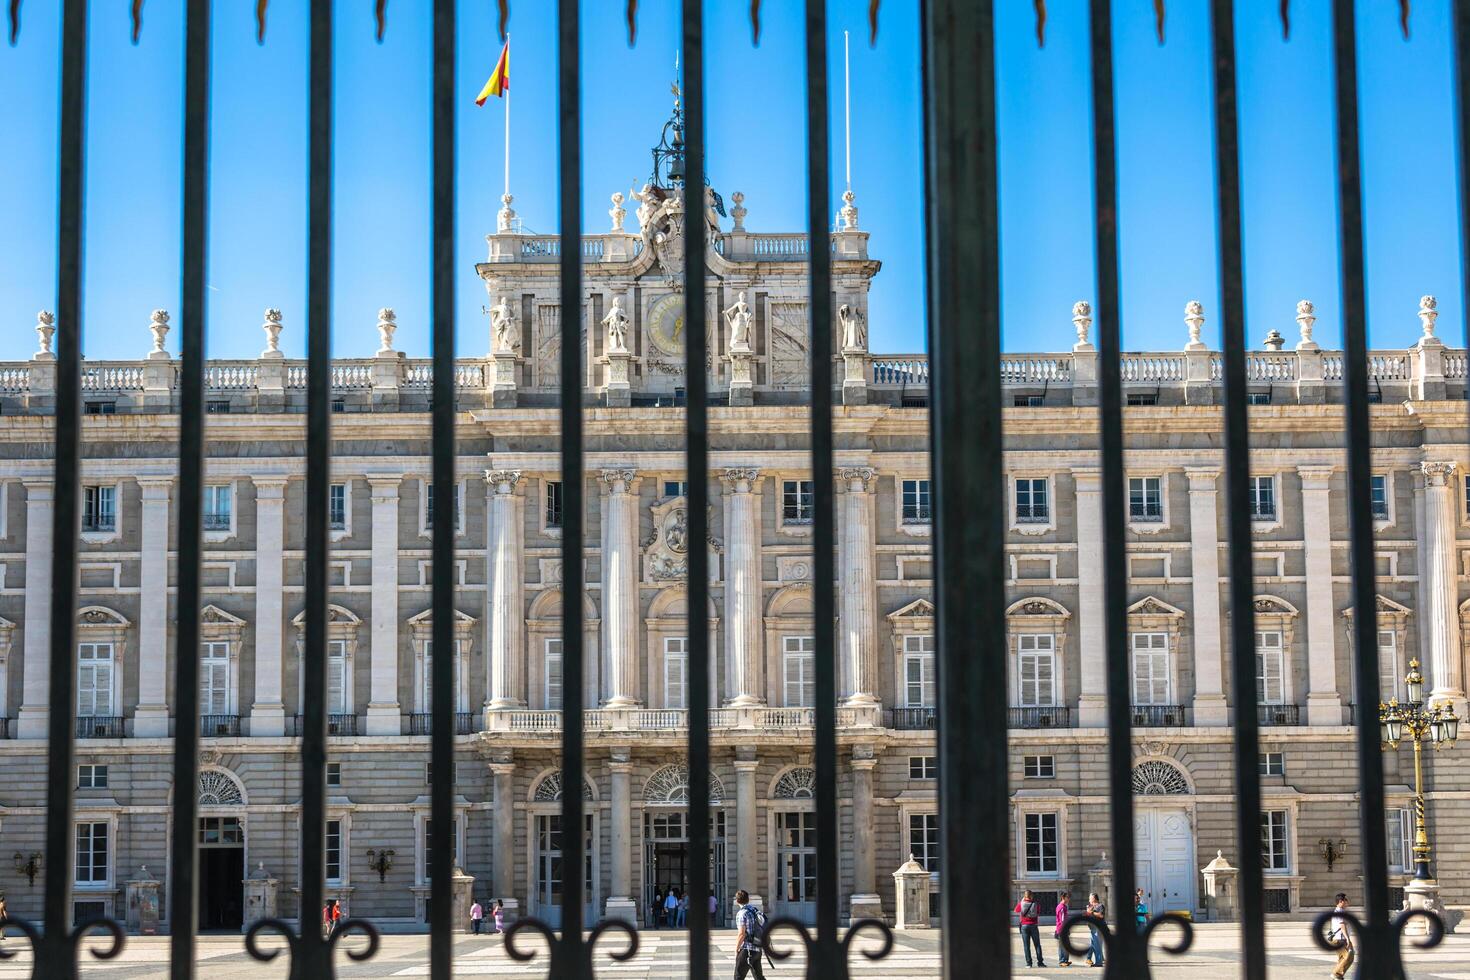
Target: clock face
[{"x": 666, "y": 324}]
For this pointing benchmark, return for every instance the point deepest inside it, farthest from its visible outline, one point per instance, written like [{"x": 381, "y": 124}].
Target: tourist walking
[
  {"x": 498, "y": 913},
  {"x": 1064, "y": 958},
  {"x": 477, "y": 915},
  {"x": 683, "y": 909},
  {"x": 751, "y": 923},
  {"x": 1028, "y": 910},
  {"x": 658, "y": 908},
  {"x": 1140, "y": 910},
  {"x": 714, "y": 908},
  {"x": 1341, "y": 938},
  {"x": 1097, "y": 910},
  {"x": 671, "y": 907}
]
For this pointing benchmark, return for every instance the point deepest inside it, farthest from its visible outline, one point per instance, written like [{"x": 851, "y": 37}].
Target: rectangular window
[
  {"x": 1036, "y": 669},
  {"x": 337, "y": 677},
  {"x": 217, "y": 408},
  {"x": 552, "y": 676},
  {"x": 334, "y": 850},
  {"x": 924, "y": 839},
  {"x": 916, "y": 502},
  {"x": 1258, "y": 398},
  {"x": 676, "y": 488},
  {"x": 1263, "y": 498},
  {"x": 92, "y": 853},
  {"x": 101, "y": 408},
  {"x": 1143, "y": 398},
  {"x": 1273, "y": 841},
  {"x": 676, "y": 672},
  {"x": 1270, "y": 667},
  {"x": 94, "y": 680},
  {"x": 1390, "y": 673},
  {"x": 1151, "y": 668},
  {"x": 337, "y": 507},
  {"x": 553, "y": 503},
  {"x": 918, "y": 670},
  {"x": 1031, "y": 502},
  {"x": 99, "y": 508},
  {"x": 1041, "y": 844},
  {"x": 1028, "y": 401},
  {"x": 334, "y": 774},
  {"x": 798, "y": 663},
  {"x": 1145, "y": 498},
  {"x": 1378, "y": 497},
  {"x": 429, "y": 843},
  {"x": 427, "y": 682},
  {"x": 1400, "y": 827},
  {"x": 923, "y": 767},
  {"x": 1273, "y": 764},
  {"x": 91, "y": 777},
  {"x": 214, "y": 678},
  {"x": 796, "y": 502},
  {"x": 1040, "y": 766},
  {"x": 429, "y": 507},
  {"x": 217, "y": 500}
]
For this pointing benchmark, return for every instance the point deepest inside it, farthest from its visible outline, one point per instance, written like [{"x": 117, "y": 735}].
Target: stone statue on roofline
[
  {"x": 506, "y": 335},
  {"x": 854, "y": 328},
  {"x": 616, "y": 322},
  {"x": 738, "y": 316}
]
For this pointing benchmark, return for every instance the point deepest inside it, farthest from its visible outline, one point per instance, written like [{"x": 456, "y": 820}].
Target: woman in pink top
[{"x": 1063, "y": 957}]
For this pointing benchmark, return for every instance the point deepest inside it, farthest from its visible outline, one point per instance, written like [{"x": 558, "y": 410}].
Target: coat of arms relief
[{"x": 666, "y": 552}]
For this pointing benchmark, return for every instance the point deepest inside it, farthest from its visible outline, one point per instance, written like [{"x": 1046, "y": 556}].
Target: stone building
[{"x": 507, "y": 832}]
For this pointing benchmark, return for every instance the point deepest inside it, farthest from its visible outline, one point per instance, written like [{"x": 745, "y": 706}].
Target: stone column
[
  {"x": 857, "y": 574},
  {"x": 1210, "y": 706},
  {"x": 503, "y": 844},
  {"x": 620, "y": 588},
  {"x": 268, "y": 713},
  {"x": 1441, "y": 589},
  {"x": 35, "y": 672},
  {"x": 504, "y": 611},
  {"x": 747, "y": 836},
  {"x": 621, "y": 905},
  {"x": 865, "y": 903},
  {"x": 742, "y": 588},
  {"x": 383, "y": 716},
  {"x": 1092, "y": 706},
  {"x": 1324, "y": 704},
  {"x": 151, "y": 718}
]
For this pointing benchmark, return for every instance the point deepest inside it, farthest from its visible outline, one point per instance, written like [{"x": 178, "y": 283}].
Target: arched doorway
[
  {"x": 666, "y": 840},
  {"x": 1163, "y": 833},
  {"x": 221, "y": 852}
]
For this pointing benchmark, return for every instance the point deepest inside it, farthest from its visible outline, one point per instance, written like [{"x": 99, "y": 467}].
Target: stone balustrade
[{"x": 623, "y": 720}]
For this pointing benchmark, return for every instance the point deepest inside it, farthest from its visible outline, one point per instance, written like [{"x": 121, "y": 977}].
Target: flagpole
[
  {"x": 847, "y": 109},
  {"x": 507, "y": 115}
]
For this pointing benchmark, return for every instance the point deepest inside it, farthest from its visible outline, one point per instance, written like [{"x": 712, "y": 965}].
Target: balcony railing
[
  {"x": 911, "y": 719},
  {"x": 100, "y": 726},
  {"x": 219, "y": 726},
  {"x": 336, "y": 725},
  {"x": 1279, "y": 714},
  {"x": 216, "y": 522},
  {"x": 1055, "y": 717},
  {"x": 422, "y": 723},
  {"x": 674, "y": 719},
  {"x": 1159, "y": 716}
]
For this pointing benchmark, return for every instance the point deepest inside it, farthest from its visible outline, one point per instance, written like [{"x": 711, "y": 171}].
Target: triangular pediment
[
  {"x": 212, "y": 614},
  {"x": 335, "y": 614},
  {"x": 1151, "y": 605},
  {"x": 427, "y": 616},
  {"x": 918, "y": 609},
  {"x": 1385, "y": 605}
]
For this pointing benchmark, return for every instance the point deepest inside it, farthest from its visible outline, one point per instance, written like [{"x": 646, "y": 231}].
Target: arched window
[
  {"x": 669, "y": 786},
  {"x": 798, "y": 783},
  {"x": 1155, "y": 777},
  {"x": 549, "y": 789}
]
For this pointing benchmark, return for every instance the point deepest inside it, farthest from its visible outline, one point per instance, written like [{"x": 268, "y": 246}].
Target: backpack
[
  {"x": 1028, "y": 910},
  {"x": 756, "y": 929}
]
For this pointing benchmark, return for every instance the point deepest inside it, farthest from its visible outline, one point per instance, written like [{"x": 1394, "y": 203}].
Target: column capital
[
  {"x": 858, "y": 479},
  {"x": 740, "y": 479},
  {"x": 619, "y": 479},
  {"x": 746, "y": 765},
  {"x": 40, "y": 490},
  {"x": 271, "y": 487},
  {"x": 1438, "y": 473},
  {"x": 154, "y": 486},
  {"x": 503, "y": 768},
  {"x": 1202, "y": 478},
  {"x": 1315, "y": 477},
  {"x": 384, "y": 485},
  {"x": 502, "y": 482},
  {"x": 1087, "y": 478},
  {"x": 620, "y": 767},
  {"x": 863, "y": 765}
]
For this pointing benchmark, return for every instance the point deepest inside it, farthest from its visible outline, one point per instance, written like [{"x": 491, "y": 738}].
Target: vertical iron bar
[
  {"x": 825, "y": 953},
  {"x": 1126, "y": 949},
  {"x": 313, "y": 955},
  {"x": 1379, "y": 948},
  {"x": 1461, "y": 49},
  {"x": 442, "y": 729},
  {"x": 696, "y": 467},
  {"x": 573, "y": 841},
  {"x": 184, "y": 857},
  {"x": 1237, "y": 496},
  {"x": 968, "y": 485},
  {"x": 55, "y": 958}
]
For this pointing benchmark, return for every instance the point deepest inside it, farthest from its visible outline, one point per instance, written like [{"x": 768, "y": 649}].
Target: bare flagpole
[
  {"x": 847, "y": 109},
  {"x": 507, "y": 114}
]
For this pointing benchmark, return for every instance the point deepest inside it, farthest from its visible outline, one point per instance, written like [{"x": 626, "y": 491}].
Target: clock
[{"x": 666, "y": 324}]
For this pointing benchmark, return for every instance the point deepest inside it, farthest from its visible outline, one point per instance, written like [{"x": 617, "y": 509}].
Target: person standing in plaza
[
  {"x": 1098, "y": 911},
  {"x": 714, "y": 908},
  {"x": 1341, "y": 938},
  {"x": 751, "y": 924},
  {"x": 683, "y": 909},
  {"x": 658, "y": 907},
  {"x": 1063, "y": 957},
  {"x": 1028, "y": 910},
  {"x": 1140, "y": 910},
  {"x": 498, "y": 913},
  {"x": 477, "y": 915},
  {"x": 671, "y": 908}
]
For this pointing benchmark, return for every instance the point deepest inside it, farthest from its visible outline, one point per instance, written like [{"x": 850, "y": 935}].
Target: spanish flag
[{"x": 499, "y": 82}]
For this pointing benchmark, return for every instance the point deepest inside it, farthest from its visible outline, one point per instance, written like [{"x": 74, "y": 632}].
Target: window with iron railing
[
  {"x": 1379, "y": 498},
  {"x": 337, "y": 506},
  {"x": 1032, "y": 506},
  {"x": 99, "y": 508},
  {"x": 1263, "y": 498},
  {"x": 1145, "y": 499},
  {"x": 553, "y": 504},
  {"x": 916, "y": 502},
  {"x": 218, "y": 503},
  {"x": 796, "y": 502}
]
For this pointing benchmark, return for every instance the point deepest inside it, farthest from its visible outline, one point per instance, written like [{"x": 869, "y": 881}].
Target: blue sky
[{"x": 756, "y": 145}]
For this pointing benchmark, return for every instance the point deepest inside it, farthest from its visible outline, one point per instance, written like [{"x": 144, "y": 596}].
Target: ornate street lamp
[
  {"x": 1436, "y": 723},
  {"x": 1332, "y": 851},
  {"x": 380, "y": 861},
  {"x": 28, "y": 866}
]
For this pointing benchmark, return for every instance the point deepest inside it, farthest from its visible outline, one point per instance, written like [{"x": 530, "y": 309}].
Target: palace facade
[{"x": 508, "y": 666}]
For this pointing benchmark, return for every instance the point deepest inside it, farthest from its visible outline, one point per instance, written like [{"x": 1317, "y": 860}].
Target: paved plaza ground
[{"x": 663, "y": 954}]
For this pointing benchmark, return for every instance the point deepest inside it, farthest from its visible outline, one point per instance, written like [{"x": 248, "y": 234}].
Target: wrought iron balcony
[
  {"x": 101, "y": 726},
  {"x": 216, "y": 522},
  {"x": 599, "y": 720},
  {"x": 422, "y": 723},
  {"x": 219, "y": 726},
  {"x": 1160, "y": 716},
  {"x": 1279, "y": 714},
  {"x": 336, "y": 725},
  {"x": 911, "y": 719},
  {"x": 1053, "y": 717}
]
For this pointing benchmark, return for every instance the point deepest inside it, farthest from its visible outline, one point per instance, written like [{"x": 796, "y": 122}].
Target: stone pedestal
[
  {"x": 388, "y": 370},
  {"x": 911, "y": 886},
  {"x": 462, "y": 897},
  {"x": 854, "y": 376},
  {"x": 868, "y": 907},
  {"x": 619, "y": 390},
  {"x": 1100, "y": 879},
  {"x": 742, "y": 391},
  {"x": 270, "y": 381},
  {"x": 503, "y": 368},
  {"x": 624, "y": 909},
  {"x": 142, "y": 899},
  {"x": 260, "y": 896},
  {"x": 1219, "y": 896},
  {"x": 158, "y": 382}
]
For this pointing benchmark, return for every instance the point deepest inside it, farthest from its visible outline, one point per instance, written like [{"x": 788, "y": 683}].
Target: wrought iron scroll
[{"x": 967, "y": 465}]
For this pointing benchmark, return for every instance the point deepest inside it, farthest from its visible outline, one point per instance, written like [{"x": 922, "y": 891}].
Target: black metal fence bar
[
  {"x": 1379, "y": 946},
  {"x": 183, "y": 891},
  {"x": 969, "y": 493},
  {"x": 441, "y": 748},
  {"x": 697, "y": 472},
  {"x": 1237, "y": 496}
]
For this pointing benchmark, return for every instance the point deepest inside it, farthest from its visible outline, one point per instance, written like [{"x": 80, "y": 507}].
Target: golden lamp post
[{"x": 1420, "y": 722}]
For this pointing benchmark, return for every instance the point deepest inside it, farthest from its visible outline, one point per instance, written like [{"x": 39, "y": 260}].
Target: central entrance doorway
[
  {"x": 221, "y": 873},
  {"x": 550, "y": 867},
  {"x": 1164, "y": 864},
  {"x": 666, "y": 863}
]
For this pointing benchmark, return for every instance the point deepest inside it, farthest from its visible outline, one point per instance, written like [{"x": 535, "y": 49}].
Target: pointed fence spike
[
  {"x": 1040, "y": 23},
  {"x": 632, "y": 22},
  {"x": 1286, "y": 20},
  {"x": 260, "y": 6},
  {"x": 380, "y": 12},
  {"x": 137, "y": 12},
  {"x": 873, "y": 22},
  {"x": 1159, "y": 19},
  {"x": 504, "y": 17},
  {"x": 755, "y": 23}
]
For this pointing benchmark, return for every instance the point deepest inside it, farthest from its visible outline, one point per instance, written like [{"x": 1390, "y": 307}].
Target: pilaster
[
  {"x": 747, "y": 868},
  {"x": 620, "y": 905},
  {"x": 36, "y": 647},
  {"x": 858, "y": 615},
  {"x": 865, "y": 902},
  {"x": 151, "y": 718},
  {"x": 1324, "y": 704},
  {"x": 383, "y": 714},
  {"x": 502, "y": 844},
  {"x": 620, "y": 587},
  {"x": 742, "y": 588},
  {"x": 1092, "y": 705},
  {"x": 268, "y": 713},
  {"x": 1442, "y": 618},
  {"x": 1210, "y": 707}
]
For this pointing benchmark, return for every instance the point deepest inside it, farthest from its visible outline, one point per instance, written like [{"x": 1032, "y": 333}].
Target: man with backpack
[
  {"x": 748, "y": 943},
  {"x": 1029, "y": 911},
  {"x": 1340, "y": 938}
]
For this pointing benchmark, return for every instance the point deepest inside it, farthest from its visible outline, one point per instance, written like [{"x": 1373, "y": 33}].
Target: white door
[{"x": 1165, "y": 859}]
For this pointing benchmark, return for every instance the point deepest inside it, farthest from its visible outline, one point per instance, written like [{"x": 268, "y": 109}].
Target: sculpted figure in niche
[
  {"x": 616, "y": 322},
  {"x": 507, "y": 336},
  {"x": 738, "y": 317},
  {"x": 854, "y": 328}
]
